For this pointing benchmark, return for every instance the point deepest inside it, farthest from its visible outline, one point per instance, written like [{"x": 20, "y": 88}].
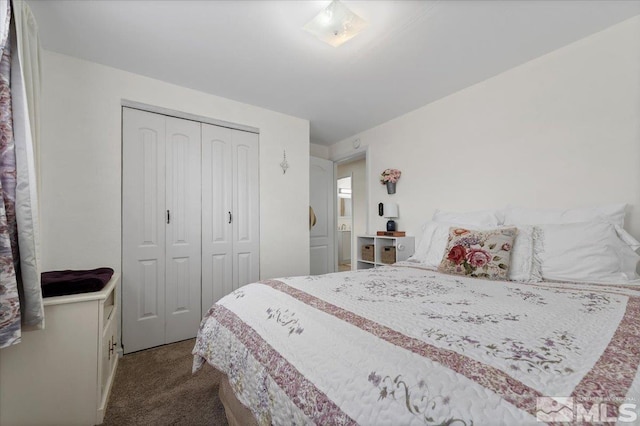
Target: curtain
[
  {"x": 20, "y": 292},
  {"x": 10, "y": 332},
  {"x": 25, "y": 92}
]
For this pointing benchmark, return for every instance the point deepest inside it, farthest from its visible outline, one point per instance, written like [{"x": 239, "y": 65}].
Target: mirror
[{"x": 344, "y": 197}]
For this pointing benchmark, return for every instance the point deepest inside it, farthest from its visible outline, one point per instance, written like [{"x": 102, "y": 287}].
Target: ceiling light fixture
[{"x": 336, "y": 24}]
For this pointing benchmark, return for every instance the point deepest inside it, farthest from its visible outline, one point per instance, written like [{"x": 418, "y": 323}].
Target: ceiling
[{"x": 412, "y": 53}]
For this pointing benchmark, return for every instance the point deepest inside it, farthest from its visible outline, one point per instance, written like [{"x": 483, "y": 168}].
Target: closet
[
  {"x": 230, "y": 243},
  {"x": 190, "y": 223}
]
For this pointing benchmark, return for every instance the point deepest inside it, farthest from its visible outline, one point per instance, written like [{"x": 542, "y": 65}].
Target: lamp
[
  {"x": 336, "y": 24},
  {"x": 391, "y": 212}
]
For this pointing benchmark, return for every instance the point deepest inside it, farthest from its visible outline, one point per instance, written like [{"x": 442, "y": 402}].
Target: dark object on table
[
  {"x": 391, "y": 225},
  {"x": 62, "y": 283}
]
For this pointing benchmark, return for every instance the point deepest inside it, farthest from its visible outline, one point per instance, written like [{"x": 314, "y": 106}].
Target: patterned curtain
[
  {"x": 9, "y": 298},
  {"x": 25, "y": 96}
]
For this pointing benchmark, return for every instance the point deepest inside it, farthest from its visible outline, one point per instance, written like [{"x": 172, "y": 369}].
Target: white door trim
[
  {"x": 346, "y": 158},
  {"x": 187, "y": 116}
]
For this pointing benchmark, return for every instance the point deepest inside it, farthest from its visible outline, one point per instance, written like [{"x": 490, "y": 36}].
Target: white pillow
[
  {"x": 423, "y": 238},
  {"x": 613, "y": 213},
  {"x": 524, "y": 266},
  {"x": 473, "y": 220},
  {"x": 627, "y": 238},
  {"x": 586, "y": 252},
  {"x": 483, "y": 218},
  {"x": 439, "y": 240},
  {"x": 525, "y": 255}
]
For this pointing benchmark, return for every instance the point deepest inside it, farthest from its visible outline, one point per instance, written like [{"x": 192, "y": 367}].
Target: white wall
[
  {"x": 81, "y": 165},
  {"x": 319, "y": 151},
  {"x": 562, "y": 130}
]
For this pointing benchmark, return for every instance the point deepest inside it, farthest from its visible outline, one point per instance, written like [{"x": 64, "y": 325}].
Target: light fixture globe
[{"x": 336, "y": 24}]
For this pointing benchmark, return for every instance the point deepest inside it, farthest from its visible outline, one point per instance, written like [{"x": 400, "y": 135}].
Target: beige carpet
[{"x": 156, "y": 387}]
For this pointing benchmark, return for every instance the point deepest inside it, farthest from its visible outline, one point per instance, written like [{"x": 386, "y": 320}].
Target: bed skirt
[{"x": 237, "y": 414}]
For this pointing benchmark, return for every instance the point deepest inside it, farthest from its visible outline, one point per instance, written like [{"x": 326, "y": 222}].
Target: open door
[
  {"x": 344, "y": 220},
  {"x": 321, "y": 199}
]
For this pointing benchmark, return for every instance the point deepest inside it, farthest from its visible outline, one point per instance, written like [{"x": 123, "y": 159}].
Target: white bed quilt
[{"x": 404, "y": 345}]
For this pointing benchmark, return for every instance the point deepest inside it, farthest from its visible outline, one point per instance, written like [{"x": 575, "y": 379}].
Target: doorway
[
  {"x": 351, "y": 211},
  {"x": 344, "y": 222}
]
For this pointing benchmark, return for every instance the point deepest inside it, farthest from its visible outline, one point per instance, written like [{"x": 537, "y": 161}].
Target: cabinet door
[
  {"x": 182, "y": 291},
  {"x": 109, "y": 354},
  {"x": 143, "y": 229},
  {"x": 217, "y": 237},
  {"x": 246, "y": 209}
]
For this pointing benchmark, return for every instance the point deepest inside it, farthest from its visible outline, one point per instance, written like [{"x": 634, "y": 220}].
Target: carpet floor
[{"x": 156, "y": 387}]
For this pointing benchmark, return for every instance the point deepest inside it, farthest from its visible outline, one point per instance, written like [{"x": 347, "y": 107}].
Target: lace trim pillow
[{"x": 479, "y": 254}]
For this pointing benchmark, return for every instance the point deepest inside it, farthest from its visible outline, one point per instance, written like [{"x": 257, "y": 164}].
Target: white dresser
[{"x": 62, "y": 375}]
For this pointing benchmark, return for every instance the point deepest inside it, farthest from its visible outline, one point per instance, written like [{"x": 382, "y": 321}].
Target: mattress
[{"x": 406, "y": 345}]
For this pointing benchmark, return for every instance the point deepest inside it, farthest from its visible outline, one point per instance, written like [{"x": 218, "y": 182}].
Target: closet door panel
[
  {"x": 244, "y": 262},
  {"x": 143, "y": 233},
  {"x": 217, "y": 237},
  {"x": 218, "y": 269},
  {"x": 246, "y": 209},
  {"x": 183, "y": 268}
]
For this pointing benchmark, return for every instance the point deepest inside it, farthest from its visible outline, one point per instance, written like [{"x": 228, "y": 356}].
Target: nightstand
[{"x": 374, "y": 251}]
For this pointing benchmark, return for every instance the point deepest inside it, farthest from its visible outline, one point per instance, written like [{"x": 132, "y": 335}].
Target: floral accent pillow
[{"x": 479, "y": 254}]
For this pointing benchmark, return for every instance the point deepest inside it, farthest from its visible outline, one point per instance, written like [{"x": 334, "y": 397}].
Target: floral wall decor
[{"x": 390, "y": 177}]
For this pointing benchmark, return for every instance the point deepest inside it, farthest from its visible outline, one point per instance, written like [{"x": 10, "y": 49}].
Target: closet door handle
[
  {"x": 168, "y": 217},
  {"x": 230, "y": 217}
]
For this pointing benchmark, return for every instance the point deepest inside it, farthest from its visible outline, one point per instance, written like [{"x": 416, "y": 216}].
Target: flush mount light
[{"x": 336, "y": 24}]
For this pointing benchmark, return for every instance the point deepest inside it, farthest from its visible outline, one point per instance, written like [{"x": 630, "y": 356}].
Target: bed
[{"x": 408, "y": 345}]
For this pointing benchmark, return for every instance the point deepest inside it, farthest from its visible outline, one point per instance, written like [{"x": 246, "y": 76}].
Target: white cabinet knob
[{"x": 400, "y": 247}]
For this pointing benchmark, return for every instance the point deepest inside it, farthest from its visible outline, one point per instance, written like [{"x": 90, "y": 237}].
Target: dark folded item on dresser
[{"x": 62, "y": 283}]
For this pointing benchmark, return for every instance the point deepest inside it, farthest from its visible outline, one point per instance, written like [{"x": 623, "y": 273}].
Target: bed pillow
[
  {"x": 439, "y": 240},
  {"x": 475, "y": 220},
  {"x": 525, "y": 256},
  {"x": 613, "y": 213},
  {"x": 478, "y": 254},
  {"x": 586, "y": 252},
  {"x": 627, "y": 238},
  {"x": 433, "y": 231},
  {"x": 525, "y": 263},
  {"x": 424, "y": 242},
  {"x": 480, "y": 219}
]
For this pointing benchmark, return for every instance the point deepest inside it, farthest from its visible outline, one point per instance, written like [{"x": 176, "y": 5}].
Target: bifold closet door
[
  {"x": 246, "y": 208},
  {"x": 160, "y": 229},
  {"x": 143, "y": 229},
  {"x": 183, "y": 230},
  {"x": 230, "y": 211},
  {"x": 217, "y": 218}
]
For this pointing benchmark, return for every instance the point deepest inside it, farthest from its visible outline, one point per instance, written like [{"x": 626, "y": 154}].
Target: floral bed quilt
[{"x": 402, "y": 345}]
